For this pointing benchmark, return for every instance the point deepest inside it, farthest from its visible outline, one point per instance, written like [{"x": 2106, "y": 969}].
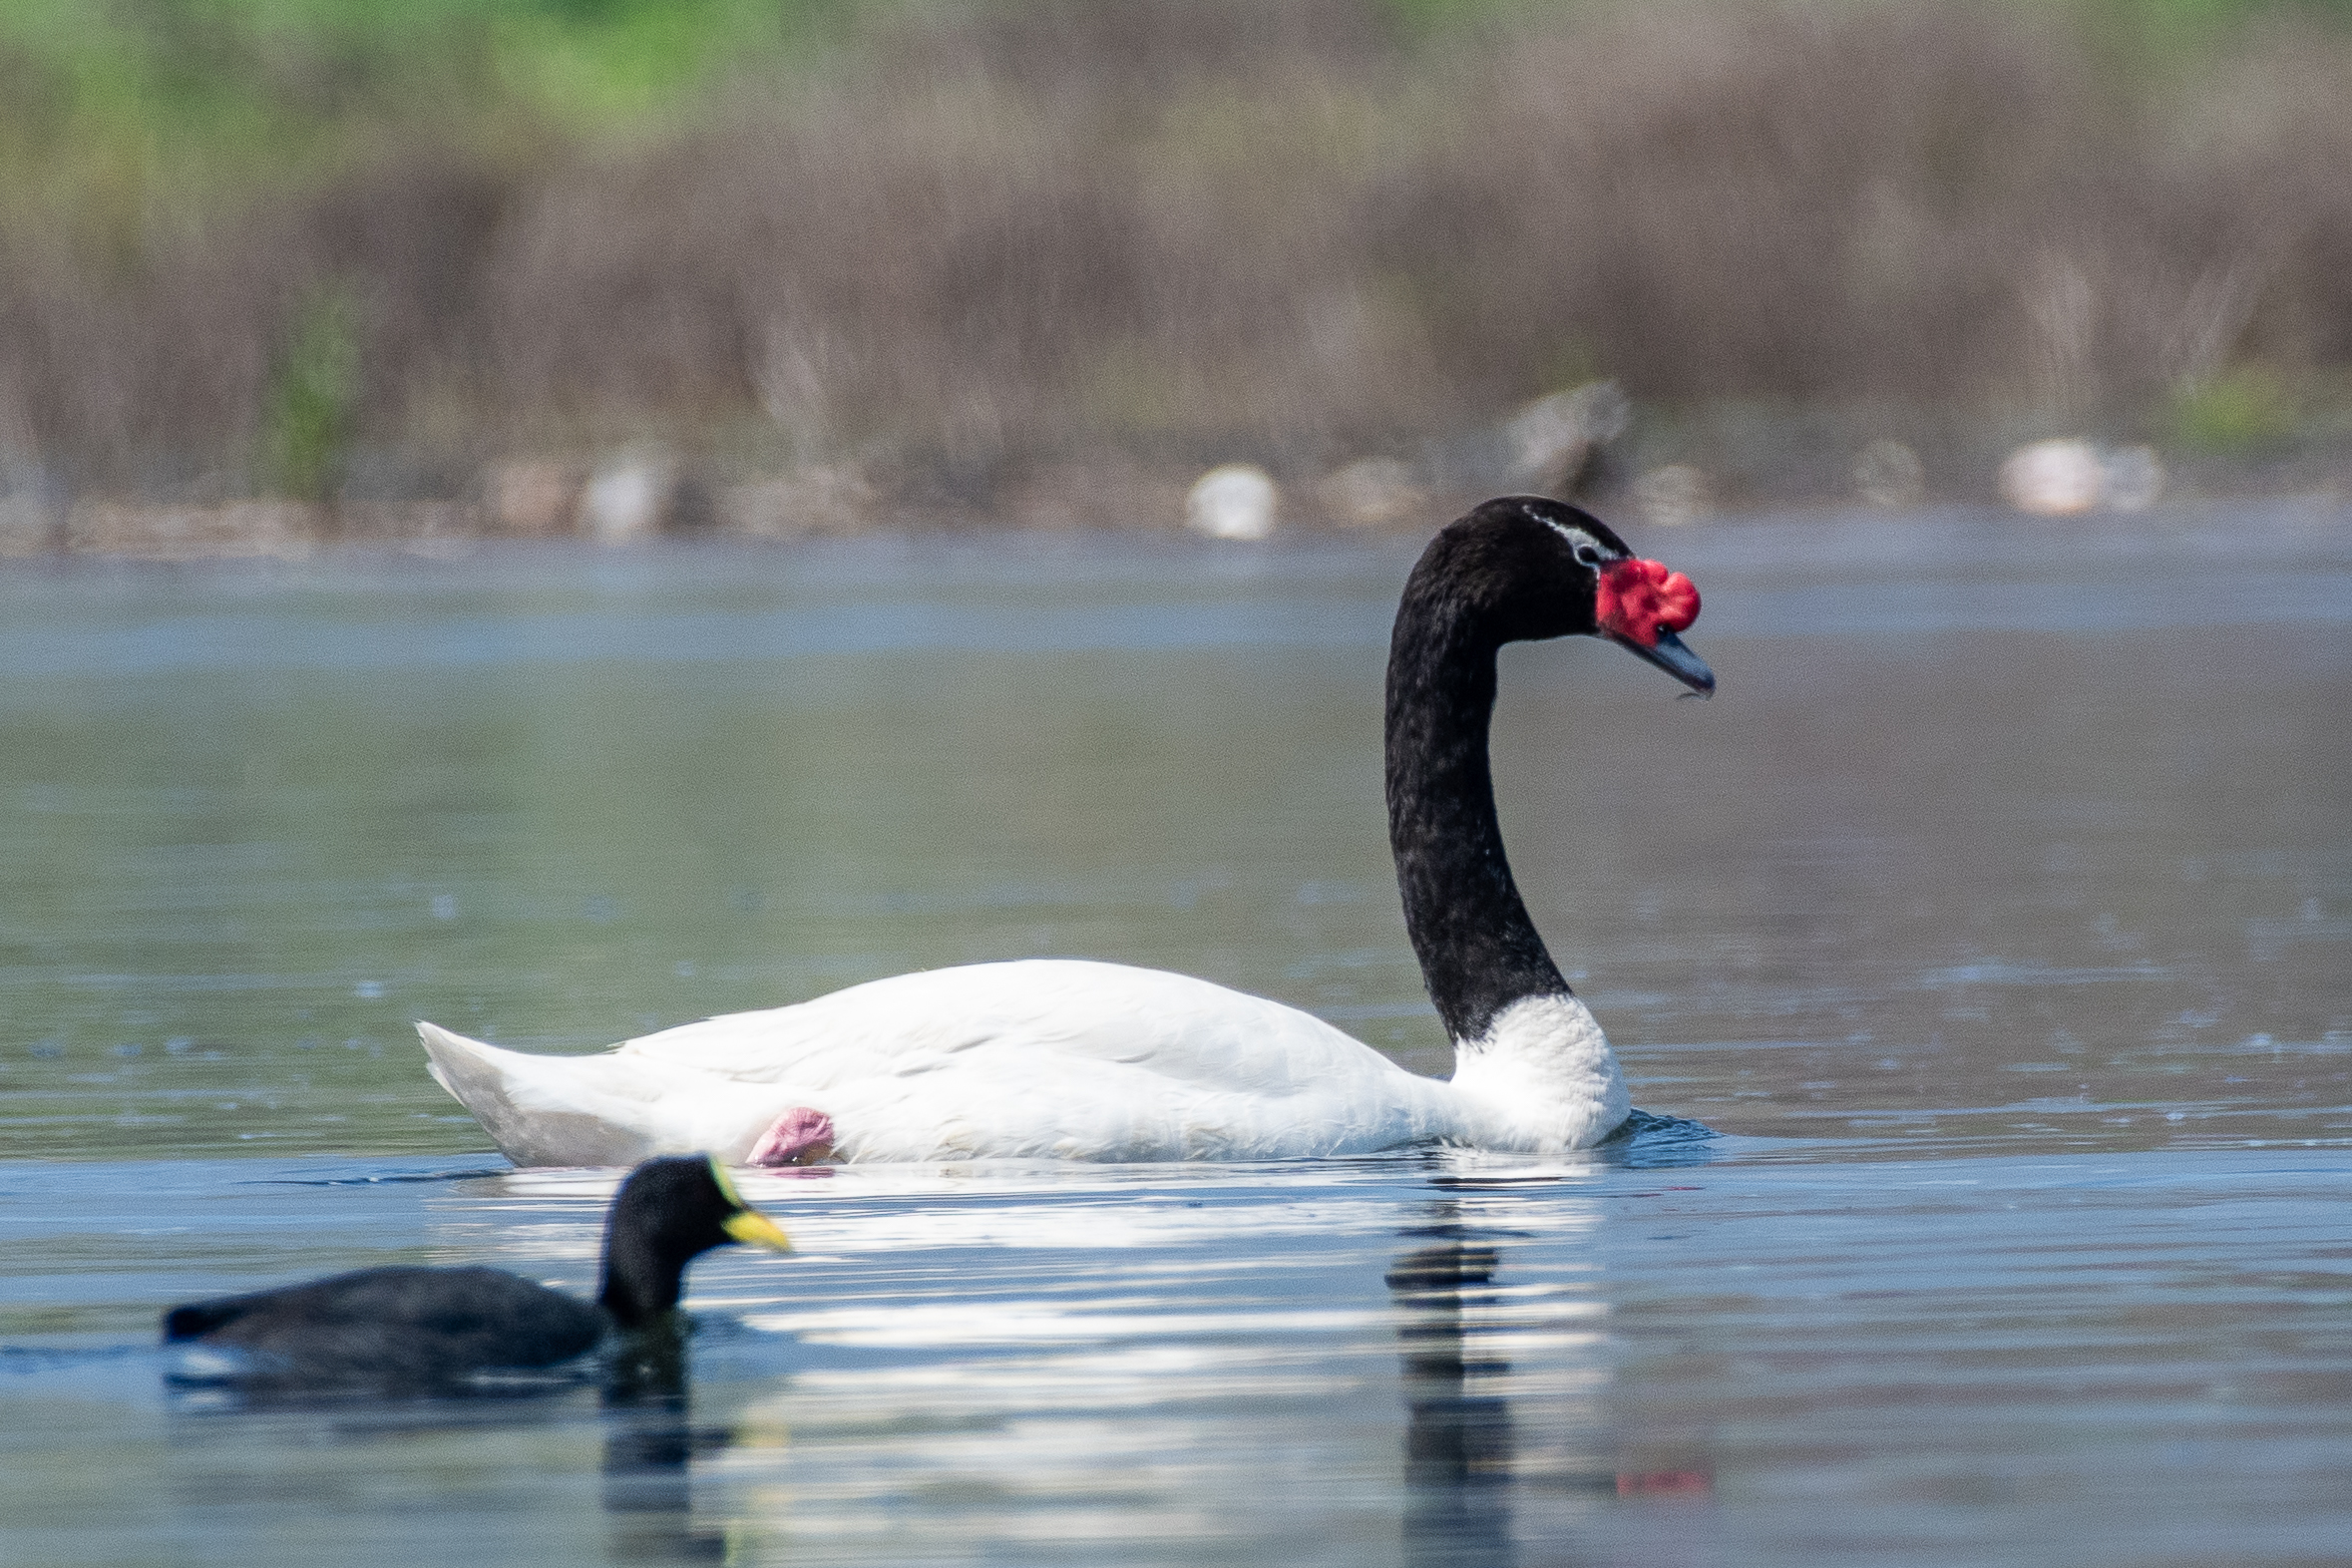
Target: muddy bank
[{"x": 1586, "y": 443}]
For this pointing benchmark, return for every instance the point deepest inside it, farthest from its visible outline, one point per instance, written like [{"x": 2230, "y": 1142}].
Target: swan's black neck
[{"x": 1479, "y": 952}]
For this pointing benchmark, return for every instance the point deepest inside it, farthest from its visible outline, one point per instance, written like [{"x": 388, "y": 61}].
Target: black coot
[{"x": 423, "y": 1329}]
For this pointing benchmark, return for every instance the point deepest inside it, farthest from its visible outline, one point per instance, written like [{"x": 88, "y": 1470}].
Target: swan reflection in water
[
  {"x": 1478, "y": 1478},
  {"x": 1457, "y": 1438}
]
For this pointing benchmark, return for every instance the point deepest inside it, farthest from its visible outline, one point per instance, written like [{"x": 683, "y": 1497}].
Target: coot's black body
[
  {"x": 400, "y": 1325},
  {"x": 413, "y": 1328}
]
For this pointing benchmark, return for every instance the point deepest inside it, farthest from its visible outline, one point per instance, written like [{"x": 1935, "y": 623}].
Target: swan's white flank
[
  {"x": 1065, "y": 1059},
  {"x": 1057, "y": 1058}
]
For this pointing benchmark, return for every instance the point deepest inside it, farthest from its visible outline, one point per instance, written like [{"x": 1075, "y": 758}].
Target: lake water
[{"x": 1997, "y": 915}]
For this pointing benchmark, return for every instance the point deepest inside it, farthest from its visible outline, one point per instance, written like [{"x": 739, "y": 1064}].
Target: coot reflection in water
[
  {"x": 638, "y": 1402},
  {"x": 651, "y": 1443}
]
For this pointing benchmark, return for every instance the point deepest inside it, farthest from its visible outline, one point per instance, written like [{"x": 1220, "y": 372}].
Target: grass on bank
[
  {"x": 223, "y": 92},
  {"x": 258, "y": 234}
]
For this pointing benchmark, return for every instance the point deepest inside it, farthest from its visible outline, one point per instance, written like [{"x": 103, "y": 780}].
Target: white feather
[{"x": 1054, "y": 1058}]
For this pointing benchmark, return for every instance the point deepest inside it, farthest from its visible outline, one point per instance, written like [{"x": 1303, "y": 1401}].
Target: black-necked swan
[{"x": 1072, "y": 1059}]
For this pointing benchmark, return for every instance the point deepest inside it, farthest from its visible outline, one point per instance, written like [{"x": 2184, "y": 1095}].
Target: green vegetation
[
  {"x": 240, "y": 69},
  {"x": 249, "y": 236},
  {"x": 310, "y": 411},
  {"x": 251, "y": 89},
  {"x": 2242, "y": 412},
  {"x": 228, "y": 91},
  {"x": 2186, "y": 18}
]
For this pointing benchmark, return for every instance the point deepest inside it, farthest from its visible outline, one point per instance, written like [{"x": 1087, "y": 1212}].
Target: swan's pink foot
[{"x": 801, "y": 1136}]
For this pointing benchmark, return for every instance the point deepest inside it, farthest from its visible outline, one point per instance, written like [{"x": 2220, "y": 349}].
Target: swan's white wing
[
  {"x": 1060, "y": 1057},
  {"x": 1041, "y": 1058},
  {"x": 1174, "y": 1025}
]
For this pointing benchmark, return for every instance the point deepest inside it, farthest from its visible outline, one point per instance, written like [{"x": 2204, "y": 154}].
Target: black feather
[
  {"x": 1506, "y": 573},
  {"x": 423, "y": 1329}
]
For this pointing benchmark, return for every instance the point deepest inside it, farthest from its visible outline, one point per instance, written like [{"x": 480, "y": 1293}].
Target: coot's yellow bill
[
  {"x": 757, "y": 1229},
  {"x": 747, "y": 1224}
]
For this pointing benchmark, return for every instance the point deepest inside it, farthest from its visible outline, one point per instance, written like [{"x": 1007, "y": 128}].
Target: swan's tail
[{"x": 541, "y": 1110}]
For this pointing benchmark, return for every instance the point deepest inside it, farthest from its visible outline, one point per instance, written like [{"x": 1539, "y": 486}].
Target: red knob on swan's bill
[{"x": 1637, "y": 599}]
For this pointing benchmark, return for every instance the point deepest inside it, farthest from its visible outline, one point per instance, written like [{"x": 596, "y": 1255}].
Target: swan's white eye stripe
[{"x": 1588, "y": 548}]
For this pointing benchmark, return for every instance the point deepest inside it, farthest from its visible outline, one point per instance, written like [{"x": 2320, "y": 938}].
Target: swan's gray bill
[{"x": 1674, "y": 657}]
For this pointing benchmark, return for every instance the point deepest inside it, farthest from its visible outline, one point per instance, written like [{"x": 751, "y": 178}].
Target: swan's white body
[{"x": 1041, "y": 1058}]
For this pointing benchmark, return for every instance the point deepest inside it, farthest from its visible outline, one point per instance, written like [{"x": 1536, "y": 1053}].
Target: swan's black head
[
  {"x": 668, "y": 1212},
  {"x": 1527, "y": 568}
]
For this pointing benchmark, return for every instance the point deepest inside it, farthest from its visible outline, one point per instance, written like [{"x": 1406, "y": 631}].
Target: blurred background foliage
[{"x": 301, "y": 244}]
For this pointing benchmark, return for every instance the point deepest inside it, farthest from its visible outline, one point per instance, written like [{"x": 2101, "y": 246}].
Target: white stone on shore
[
  {"x": 1234, "y": 501},
  {"x": 2069, "y": 477},
  {"x": 2054, "y": 479},
  {"x": 630, "y": 496}
]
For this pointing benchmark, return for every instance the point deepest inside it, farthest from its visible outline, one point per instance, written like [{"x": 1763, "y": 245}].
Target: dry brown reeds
[{"x": 985, "y": 239}]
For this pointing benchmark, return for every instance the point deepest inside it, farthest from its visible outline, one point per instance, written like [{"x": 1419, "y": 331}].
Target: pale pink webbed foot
[{"x": 801, "y": 1136}]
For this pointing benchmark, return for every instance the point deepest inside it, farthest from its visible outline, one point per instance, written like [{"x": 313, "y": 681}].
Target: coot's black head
[
  {"x": 668, "y": 1212},
  {"x": 1527, "y": 568}
]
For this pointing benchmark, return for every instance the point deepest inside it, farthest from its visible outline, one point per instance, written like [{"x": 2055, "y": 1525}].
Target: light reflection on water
[
  {"x": 1410, "y": 1361},
  {"x": 2006, "y": 887}
]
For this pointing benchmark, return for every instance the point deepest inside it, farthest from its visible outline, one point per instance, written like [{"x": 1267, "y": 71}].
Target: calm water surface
[{"x": 1998, "y": 913}]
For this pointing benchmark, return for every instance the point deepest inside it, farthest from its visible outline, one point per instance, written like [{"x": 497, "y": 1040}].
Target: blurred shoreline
[
  {"x": 283, "y": 533},
  {"x": 268, "y": 285}
]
